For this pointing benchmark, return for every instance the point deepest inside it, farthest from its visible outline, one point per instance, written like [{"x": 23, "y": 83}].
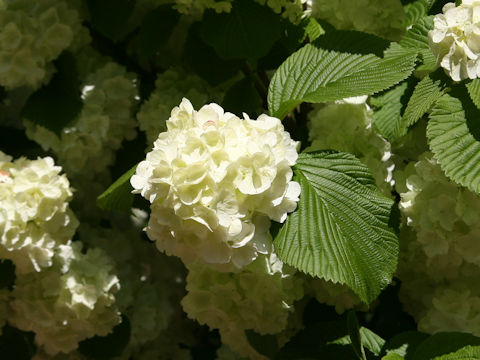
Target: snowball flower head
[
  {"x": 214, "y": 180},
  {"x": 455, "y": 39}
]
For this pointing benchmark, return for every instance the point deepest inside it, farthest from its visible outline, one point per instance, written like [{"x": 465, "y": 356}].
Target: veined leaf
[
  {"x": 388, "y": 113},
  {"x": 427, "y": 91},
  {"x": 118, "y": 197},
  {"x": 415, "y": 11},
  {"x": 473, "y": 88},
  {"x": 317, "y": 75},
  {"x": 354, "y": 334},
  {"x": 440, "y": 344},
  {"x": 453, "y": 137},
  {"x": 416, "y": 39},
  {"x": 466, "y": 353},
  {"x": 340, "y": 231}
]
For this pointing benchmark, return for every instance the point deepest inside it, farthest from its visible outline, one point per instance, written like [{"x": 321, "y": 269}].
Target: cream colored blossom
[
  {"x": 32, "y": 34},
  {"x": 214, "y": 181},
  {"x": 34, "y": 212},
  {"x": 170, "y": 87},
  {"x": 68, "y": 302},
  {"x": 87, "y": 146},
  {"x": 455, "y": 39},
  {"x": 260, "y": 297}
]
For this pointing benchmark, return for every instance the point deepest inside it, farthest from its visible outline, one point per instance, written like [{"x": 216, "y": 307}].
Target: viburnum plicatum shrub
[{"x": 239, "y": 179}]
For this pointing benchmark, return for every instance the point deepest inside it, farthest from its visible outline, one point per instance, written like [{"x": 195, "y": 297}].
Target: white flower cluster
[
  {"x": 34, "y": 213},
  {"x": 214, "y": 180},
  {"x": 383, "y": 18},
  {"x": 294, "y": 10},
  {"x": 347, "y": 126},
  {"x": 32, "y": 34},
  {"x": 68, "y": 302},
  {"x": 146, "y": 278},
  {"x": 170, "y": 87},
  {"x": 260, "y": 297},
  {"x": 87, "y": 146},
  {"x": 455, "y": 39},
  {"x": 439, "y": 260}
]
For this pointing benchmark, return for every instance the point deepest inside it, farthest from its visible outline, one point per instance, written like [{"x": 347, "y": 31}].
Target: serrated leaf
[
  {"x": 58, "y": 103},
  {"x": 392, "y": 356},
  {"x": 371, "y": 341},
  {"x": 313, "y": 29},
  {"x": 118, "y": 197},
  {"x": 453, "y": 137},
  {"x": 444, "y": 343},
  {"x": 404, "y": 344},
  {"x": 415, "y": 11},
  {"x": 388, "y": 112},
  {"x": 473, "y": 88},
  {"x": 416, "y": 39},
  {"x": 466, "y": 353},
  {"x": 340, "y": 231},
  {"x": 427, "y": 91},
  {"x": 247, "y": 32},
  {"x": 317, "y": 75}
]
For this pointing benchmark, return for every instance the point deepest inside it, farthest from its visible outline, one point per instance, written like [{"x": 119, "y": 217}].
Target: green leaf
[
  {"x": 427, "y": 91},
  {"x": 118, "y": 197},
  {"x": 392, "y": 356},
  {"x": 313, "y": 29},
  {"x": 473, "y": 88},
  {"x": 453, "y": 134},
  {"x": 247, "y": 32},
  {"x": 416, "y": 39},
  {"x": 417, "y": 10},
  {"x": 466, "y": 353},
  {"x": 388, "y": 111},
  {"x": 317, "y": 75},
  {"x": 57, "y": 104},
  {"x": 444, "y": 343},
  {"x": 354, "y": 333},
  {"x": 340, "y": 231},
  {"x": 404, "y": 344},
  {"x": 352, "y": 42},
  {"x": 156, "y": 28},
  {"x": 110, "y": 17},
  {"x": 371, "y": 341}
]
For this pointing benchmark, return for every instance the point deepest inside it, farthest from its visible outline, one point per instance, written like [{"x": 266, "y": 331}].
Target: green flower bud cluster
[
  {"x": 347, "y": 126},
  {"x": 439, "y": 260},
  {"x": 383, "y": 18},
  {"x": 87, "y": 146},
  {"x": 260, "y": 297},
  {"x": 32, "y": 34},
  {"x": 170, "y": 88}
]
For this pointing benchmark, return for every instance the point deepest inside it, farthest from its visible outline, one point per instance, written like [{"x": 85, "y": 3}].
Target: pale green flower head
[
  {"x": 260, "y": 297},
  {"x": 383, "y": 18},
  {"x": 32, "y": 35},
  {"x": 68, "y": 302},
  {"x": 455, "y": 40},
  {"x": 214, "y": 181},
  {"x": 87, "y": 146}
]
